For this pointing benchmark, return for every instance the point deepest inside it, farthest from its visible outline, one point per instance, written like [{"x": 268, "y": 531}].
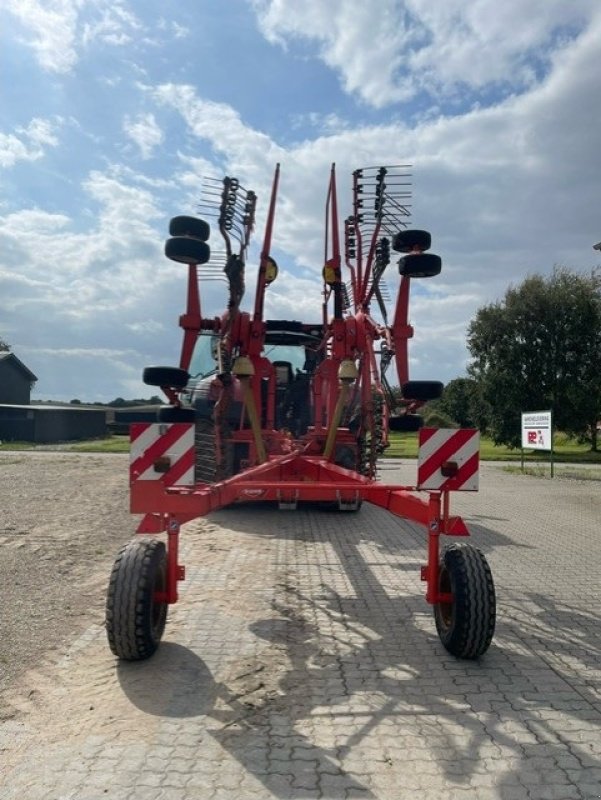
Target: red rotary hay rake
[{"x": 291, "y": 412}]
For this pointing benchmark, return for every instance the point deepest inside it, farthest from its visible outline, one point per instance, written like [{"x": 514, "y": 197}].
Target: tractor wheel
[
  {"x": 175, "y": 414},
  {"x": 187, "y": 250},
  {"x": 467, "y": 624},
  {"x": 135, "y": 621},
  {"x": 174, "y": 377},
  {"x": 406, "y": 423},
  {"x": 420, "y": 265},
  {"x": 190, "y": 226},
  {"x": 405, "y": 241},
  {"x": 422, "y": 390}
]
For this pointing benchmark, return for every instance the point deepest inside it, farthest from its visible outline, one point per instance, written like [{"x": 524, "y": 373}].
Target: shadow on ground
[{"x": 364, "y": 686}]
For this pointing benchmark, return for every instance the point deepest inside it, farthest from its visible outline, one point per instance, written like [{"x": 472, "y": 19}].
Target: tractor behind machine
[{"x": 291, "y": 411}]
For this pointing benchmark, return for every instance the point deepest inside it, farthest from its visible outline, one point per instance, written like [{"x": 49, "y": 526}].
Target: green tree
[
  {"x": 459, "y": 401},
  {"x": 538, "y": 349}
]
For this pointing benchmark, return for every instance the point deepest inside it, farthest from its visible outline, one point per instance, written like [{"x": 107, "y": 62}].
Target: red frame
[{"x": 293, "y": 471}]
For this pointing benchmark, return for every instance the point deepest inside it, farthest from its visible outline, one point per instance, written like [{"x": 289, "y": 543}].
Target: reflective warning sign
[{"x": 536, "y": 430}]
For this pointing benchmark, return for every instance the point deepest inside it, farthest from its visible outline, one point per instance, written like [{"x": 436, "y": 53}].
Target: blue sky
[{"x": 112, "y": 113}]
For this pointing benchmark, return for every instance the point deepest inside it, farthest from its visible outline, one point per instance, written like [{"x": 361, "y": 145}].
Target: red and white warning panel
[
  {"x": 448, "y": 459},
  {"x": 162, "y": 452}
]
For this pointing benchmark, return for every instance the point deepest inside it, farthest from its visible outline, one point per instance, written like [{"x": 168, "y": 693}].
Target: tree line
[{"x": 537, "y": 349}]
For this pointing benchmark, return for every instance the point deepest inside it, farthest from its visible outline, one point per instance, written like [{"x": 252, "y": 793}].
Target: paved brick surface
[{"x": 302, "y": 662}]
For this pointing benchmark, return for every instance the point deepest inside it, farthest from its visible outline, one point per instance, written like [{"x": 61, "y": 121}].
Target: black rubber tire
[
  {"x": 187, "y": 251},
  {"x": 466, "y": 625},
  {"x": 420, "y": 265},
  {"x": 174, "y": 377},
  {"x": 190, "y": 226},
  {"x": 422, "y": 390},
  {"x": 406, "y": 423},
  {"x": 405, "y": 241},
  {"x": 134, "y": 621},
  {"x": 175, "y": 414}
]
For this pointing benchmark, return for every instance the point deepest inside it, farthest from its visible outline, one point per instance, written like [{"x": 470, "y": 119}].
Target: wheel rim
[{"x": 445, "y": 610}]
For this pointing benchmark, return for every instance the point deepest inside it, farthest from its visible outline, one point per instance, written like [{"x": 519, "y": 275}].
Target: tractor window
[
  {"x": 294, "y": 354},
  {"x": 204, "y": 360}
]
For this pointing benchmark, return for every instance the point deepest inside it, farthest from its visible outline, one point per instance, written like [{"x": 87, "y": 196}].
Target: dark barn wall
[
  {"x": 47, "y": 424},
  {"x": 15, "y": 388}
]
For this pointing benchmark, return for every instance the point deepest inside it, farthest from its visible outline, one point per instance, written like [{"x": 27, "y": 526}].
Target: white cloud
[
  {"x": 115, "y": 26},
  {"x": 99, "y": 293},
  {"x": 52, "y": 26},
  {"x": 30, "y": 143},
  {"x": 56, "y": 30},
  {"x": 413, "y": 45},
  {"x": 145, "y": 132}
]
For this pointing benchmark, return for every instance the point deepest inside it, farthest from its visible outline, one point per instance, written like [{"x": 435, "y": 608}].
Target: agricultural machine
[{"x": 297, "y": 412}]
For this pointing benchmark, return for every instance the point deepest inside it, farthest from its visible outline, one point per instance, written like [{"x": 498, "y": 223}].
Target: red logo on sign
[{"x": 531, "y": 437}]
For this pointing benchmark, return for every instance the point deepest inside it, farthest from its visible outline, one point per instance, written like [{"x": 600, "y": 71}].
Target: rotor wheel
[
  {"x": 466, "y": 625},
  {"x": 135, "y": 620}
]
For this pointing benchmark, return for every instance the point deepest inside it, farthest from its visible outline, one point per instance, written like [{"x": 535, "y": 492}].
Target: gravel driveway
[{"x": 63, "y": 518}]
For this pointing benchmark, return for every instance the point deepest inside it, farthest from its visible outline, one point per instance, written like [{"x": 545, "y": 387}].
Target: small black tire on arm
[
  {"x": 187, "y": 251},
  {"x": 406, "y": 423},
  {"x": 467, "y": 624},
  {"x": 176, "y": 414},
  {"x": 135, "y": 621},
  {"x": 405, "y": 241},
  {"x": 173, "y": 377},
  {"x": 190, "y": 226},
  {"x": 422, "y": 390},
  {"x": 420, "y": 265}
]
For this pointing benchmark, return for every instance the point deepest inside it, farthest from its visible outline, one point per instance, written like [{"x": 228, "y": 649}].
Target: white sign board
[{"x": 537, "y": 431}]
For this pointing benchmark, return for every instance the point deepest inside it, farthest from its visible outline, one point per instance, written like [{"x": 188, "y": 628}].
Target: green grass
[
  {"x": 16, "y": 446},
  {"x": 404, "y": 445},
  {"x": 589, "y": 474},
  {"x": 112, "y": 444}
]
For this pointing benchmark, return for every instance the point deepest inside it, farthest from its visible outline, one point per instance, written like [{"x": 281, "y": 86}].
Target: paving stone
[{"x": 303, "y": 661}]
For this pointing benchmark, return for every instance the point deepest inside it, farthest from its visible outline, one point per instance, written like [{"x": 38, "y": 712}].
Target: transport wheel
[
  {"x": 166, "y": 376},
  {"x": 422, "y": 390},
  {"x": 420, "y": 265},
  {"x": 405, "y": 241},
  {"x": 467, "y": 624},
  {"x": 187, "y": 250},
  {"x": 174, "y": 414},
  {"x": 135, "y": 621},
  {"x": 190, "y": 226}
]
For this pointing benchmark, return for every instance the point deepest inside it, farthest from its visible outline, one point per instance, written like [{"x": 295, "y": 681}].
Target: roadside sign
[{"x": 537, "y": 430}]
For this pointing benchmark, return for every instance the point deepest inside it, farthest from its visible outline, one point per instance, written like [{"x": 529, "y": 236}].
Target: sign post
[{"x": 537, "y": 433}]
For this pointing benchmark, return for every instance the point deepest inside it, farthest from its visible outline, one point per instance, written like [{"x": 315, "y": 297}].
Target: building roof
[{"x": 5, "y": 356}]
